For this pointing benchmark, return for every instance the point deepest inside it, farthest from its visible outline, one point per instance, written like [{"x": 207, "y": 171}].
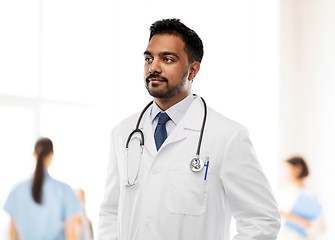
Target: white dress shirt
[{"x": 175, "y": 112}]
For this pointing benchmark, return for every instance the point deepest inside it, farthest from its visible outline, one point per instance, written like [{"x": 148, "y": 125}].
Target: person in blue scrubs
[{"x": 41, "y": 207}]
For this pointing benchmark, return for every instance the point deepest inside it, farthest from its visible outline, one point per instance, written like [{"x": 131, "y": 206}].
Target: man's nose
[{"x": 155, "y": 67}]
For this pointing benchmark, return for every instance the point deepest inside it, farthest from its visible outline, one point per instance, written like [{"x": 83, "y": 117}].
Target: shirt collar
[{"x": 175, "y": 112}]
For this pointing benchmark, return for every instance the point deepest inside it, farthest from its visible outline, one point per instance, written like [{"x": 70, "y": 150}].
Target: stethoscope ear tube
[
  {"x": 196, "y": 163},
  {"x": 137, "y": 130},
  {"x": 137, "y": 126},
  {"x": 132, "y": 133},
  {"x": 202, "y": 127}
]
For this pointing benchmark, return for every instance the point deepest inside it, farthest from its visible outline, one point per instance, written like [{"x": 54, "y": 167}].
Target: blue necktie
[{"x": 160, "y": 132}]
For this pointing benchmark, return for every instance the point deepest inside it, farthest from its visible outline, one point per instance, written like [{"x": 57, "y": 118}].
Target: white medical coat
[{"x": 170, "y": 202}]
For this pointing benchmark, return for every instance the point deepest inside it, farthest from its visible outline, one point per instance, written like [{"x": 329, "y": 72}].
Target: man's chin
[{"x": 157, "y": 94}]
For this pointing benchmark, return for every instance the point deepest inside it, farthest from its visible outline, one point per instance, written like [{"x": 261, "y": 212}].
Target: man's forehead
[{"x": 165, "y": 43}]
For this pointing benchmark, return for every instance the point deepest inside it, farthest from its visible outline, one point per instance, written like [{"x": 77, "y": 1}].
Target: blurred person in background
[
  {"x": 300, "y": 209},
  {"x": 84, "y": 226},
  {"x": 41, "y": 207}
]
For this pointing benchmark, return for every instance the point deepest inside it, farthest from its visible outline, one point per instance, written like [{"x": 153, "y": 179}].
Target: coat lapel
[
  {"x": 149, "y": 142},
  {"x": 191, "y": 121}
]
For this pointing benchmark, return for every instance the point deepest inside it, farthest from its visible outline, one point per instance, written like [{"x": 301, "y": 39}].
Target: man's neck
[{"x": 165, "y": 104}]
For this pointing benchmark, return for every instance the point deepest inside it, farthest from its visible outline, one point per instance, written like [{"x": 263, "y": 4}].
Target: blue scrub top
[{"x": 46, "y": 220}]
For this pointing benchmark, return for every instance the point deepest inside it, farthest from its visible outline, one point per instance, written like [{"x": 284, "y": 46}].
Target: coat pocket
[{"x": 187, "y": 191}]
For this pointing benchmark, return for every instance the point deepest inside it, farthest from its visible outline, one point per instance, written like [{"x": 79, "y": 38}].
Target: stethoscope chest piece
[{"x": 197, "y": 164}]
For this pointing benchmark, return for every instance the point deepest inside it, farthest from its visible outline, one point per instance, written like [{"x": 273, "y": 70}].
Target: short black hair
[
  {"x": 299, "y": 161},
  {"x": 193, "y": 43}
]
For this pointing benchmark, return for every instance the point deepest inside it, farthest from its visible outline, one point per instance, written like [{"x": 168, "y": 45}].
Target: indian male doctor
[{"x": 179, "y": 170}]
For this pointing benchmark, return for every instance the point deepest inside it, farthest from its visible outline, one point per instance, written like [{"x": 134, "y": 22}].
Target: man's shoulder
[
  {"x": 129, "y": 122},
  {"x": 218, "y": 121},
  {"x": 223, "y": 123}
]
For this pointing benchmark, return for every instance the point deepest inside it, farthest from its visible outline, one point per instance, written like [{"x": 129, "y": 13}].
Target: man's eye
[
  {"x": 168, "y": 60},
  {"x": 148, "y": 59}
]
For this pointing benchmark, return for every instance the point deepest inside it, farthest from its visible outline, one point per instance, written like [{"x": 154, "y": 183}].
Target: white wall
[
  {"x": 307, "y": 112},
  {"x": 240, "y": 70},
  {"x": 79, "y": 65}
]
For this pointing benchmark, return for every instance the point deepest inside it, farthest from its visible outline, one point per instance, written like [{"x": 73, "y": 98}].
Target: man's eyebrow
[
  {"x": 169, "y": 53},
  {"x": 163, "y": 54}
]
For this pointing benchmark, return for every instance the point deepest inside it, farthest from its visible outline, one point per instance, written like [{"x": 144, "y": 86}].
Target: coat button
[{"x": 148, "y": 221}]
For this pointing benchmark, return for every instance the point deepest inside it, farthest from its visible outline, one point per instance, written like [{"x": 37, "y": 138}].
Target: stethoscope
[{"x": 196, "y": 163}]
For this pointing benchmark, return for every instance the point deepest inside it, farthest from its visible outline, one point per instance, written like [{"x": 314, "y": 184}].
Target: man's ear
[{"x": 194, "y": 69}]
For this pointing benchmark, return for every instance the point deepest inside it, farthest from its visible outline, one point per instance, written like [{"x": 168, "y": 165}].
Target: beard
[{"x": 167, "y": 91}]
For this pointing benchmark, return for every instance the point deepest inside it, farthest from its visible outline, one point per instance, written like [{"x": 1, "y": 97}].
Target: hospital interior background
[{"x": 71, "y": 70}]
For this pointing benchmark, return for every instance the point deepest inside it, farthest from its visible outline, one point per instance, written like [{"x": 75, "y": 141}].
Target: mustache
[{"x": 153, "y": 75}]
